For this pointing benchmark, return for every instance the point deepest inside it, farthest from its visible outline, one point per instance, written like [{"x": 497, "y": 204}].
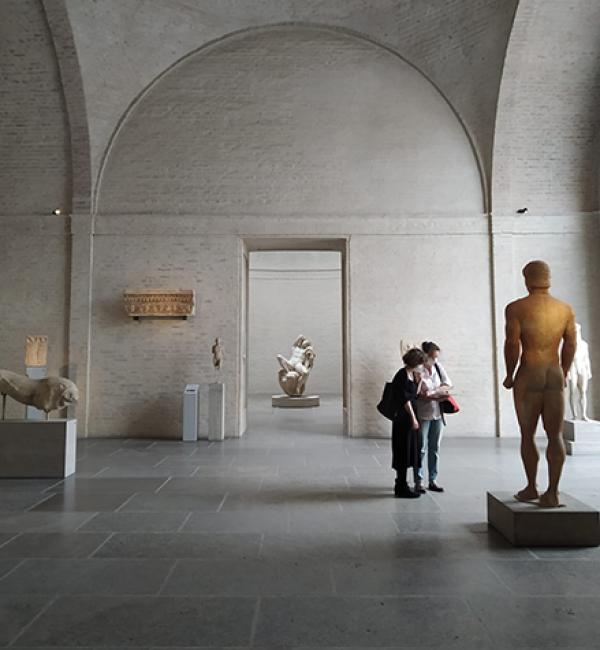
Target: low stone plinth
[
  {"x": 526, "y": 524},
  {"x": 581, "y": 437},
  {"x": 37, "y": 449},
  {"x": 304, "y": 401}
]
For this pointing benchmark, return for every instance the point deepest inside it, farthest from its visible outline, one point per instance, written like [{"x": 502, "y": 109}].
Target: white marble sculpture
[
  {"x": 294, "y": 371},
  {"x": 579, "y": 377},
  {"x": 47, "y": 394}
]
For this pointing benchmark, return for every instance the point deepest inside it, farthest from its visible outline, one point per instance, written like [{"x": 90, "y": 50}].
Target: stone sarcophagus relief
[{"x": 160, "y": 303}]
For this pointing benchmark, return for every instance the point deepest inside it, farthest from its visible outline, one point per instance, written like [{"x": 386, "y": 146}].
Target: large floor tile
[
  {"x": 86, "y": 502},
  {"x": 163, "y": 502},
  {"x": 164, "y": 622},
  {"x": 74, "y": 545},
  {"x": 539, "y": 622},
  {"x": 180, "y": 545},
  {"x": 249, "y": 578},
  {"x": 89, "y": 576},
  {"x": 425, "y": 577},
  {"x": 42, "y": 522},
  {"x": 136, "y": 522},
  {"x": 265, "y": 521},
  {"x": 101, "y": 485},
  {"x": 380, "y": 621},
  {"x": 549, "y": 577},
  {"x": 16, "y": 612}
]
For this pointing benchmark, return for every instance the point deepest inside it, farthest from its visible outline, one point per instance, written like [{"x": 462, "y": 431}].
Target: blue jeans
[{"x": 430, "y": 433}]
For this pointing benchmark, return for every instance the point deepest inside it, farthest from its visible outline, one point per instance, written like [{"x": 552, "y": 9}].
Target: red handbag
[{"x": 449, "y": 405}]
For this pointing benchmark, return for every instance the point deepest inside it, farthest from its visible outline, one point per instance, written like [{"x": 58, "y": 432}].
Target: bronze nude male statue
[{"x": 535, "y": 327}]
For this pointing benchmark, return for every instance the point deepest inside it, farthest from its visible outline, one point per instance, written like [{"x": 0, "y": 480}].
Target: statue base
[
  {"x": 526, "y": 524},
  {"x": 34, "y": 449},
  {"x": 302, "y": 401},
  {"x": 581, "y": 437}
]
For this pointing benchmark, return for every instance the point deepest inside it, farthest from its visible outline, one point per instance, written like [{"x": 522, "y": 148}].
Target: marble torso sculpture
[
  {"x": 47, "y": 394},
  {"x": 217, "y": 352},
  {"x": 578, "y": 378},
  {"x": 294, "y": 371},
  {"x": 535, "y": 327}
]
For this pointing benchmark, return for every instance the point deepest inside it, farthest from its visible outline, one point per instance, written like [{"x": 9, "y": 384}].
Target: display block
[
  {"x": 34, "y": 449},
  {"x": 581, "y": 437},
  {"x": 287, "y": 402},
  {"x": 526, "y": 524}
]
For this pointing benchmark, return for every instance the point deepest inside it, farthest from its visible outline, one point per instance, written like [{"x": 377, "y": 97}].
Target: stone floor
[{"x": 289, "y": 537}]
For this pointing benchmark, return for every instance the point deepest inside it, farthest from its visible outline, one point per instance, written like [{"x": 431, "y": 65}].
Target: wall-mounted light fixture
[{"x": 160, "y": 303}]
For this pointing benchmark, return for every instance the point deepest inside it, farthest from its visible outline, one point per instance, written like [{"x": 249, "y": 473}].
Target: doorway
[{"x": 292, "y": 288}]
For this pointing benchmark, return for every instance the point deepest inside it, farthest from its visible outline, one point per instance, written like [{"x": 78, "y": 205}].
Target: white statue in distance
[
  {"x": 47, "y": 394},
  {"x": 578, "y": 378},
  {"x": 294, "y": 371}
]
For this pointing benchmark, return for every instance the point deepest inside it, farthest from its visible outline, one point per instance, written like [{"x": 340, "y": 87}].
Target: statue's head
[
  {"x": 65, "y": 392},
  {"x": 537, "y": 275}
]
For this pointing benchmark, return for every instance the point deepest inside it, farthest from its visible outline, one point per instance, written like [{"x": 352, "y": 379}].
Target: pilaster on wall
[{"x": 80, "y": 319}]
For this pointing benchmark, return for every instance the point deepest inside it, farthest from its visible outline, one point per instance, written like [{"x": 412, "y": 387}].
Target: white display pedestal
[
  {"x": 288, "y": 402},
  {"x": 216, "y": 411},
  {"x": 34, "y": 449},
  {"x": 581, "y": 437},
  {"x": 39, "y": 372},
  {"x": 190, "y": 413}
]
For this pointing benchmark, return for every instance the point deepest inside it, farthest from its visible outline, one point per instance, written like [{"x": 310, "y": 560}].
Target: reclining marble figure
[
  {"x": 47, "y": 394},
  {"x": 294, "y": 371}
]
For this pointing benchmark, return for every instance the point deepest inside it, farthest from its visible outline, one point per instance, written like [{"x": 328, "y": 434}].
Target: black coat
[{"x": 405, "y": 440}]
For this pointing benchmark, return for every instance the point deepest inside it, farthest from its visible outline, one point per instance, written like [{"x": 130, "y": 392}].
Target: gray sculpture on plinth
[
  {"x": 293, "y": 373},
  {"x": 579, "y": 377},
  {"x": 47, "y": 394}
]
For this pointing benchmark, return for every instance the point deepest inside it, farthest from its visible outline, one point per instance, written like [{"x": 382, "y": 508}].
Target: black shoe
[
  {"x": 402, "y": 491},
  {"x": 419, "y": 488},
  {"x": 434, "y": 487}
]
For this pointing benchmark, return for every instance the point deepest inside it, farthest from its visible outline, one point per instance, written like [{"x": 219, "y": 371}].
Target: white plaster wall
[
  {"x": 140, "y": 368},
  {"x": 423, "y": 287},
  {"x": 294, "y": 293}
]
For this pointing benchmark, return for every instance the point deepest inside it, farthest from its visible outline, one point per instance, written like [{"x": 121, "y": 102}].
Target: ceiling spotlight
[
  {"x": 57, "y": 211},
  {"x": 522, "y": 210}
]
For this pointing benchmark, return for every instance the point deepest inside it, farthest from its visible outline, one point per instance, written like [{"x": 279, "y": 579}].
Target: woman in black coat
[{"x": 405, "y": 428}]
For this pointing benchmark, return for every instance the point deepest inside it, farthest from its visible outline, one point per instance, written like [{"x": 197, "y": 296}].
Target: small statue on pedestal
[
  {"x": 217, "y": 352},
  {"x": 294, "y": 371},
  {"x": 578, "y": 378}
]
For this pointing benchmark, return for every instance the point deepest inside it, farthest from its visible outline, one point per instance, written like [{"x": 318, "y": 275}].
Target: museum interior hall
[{"x": 299, "y": 342}]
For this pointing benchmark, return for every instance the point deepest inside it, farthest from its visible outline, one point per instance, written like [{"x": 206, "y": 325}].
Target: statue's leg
[
  {"x": 572, "y": 401},
  {"x": 4, "y": 406},
  {"x": 528, "y": 405},
  {"x": 584, "y": 400},
  {"x": 552, "y": 418}
]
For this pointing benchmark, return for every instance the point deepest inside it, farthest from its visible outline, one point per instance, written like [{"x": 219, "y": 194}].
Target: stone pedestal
[
  {"x": 581, "y": 437},
  {"x": 216, "y": 411},
  {"x": 33, "y": 449},
  {"x": 526, "y": 524},
  {"x": 304, "y": 401},
  {"x": 190, "y": 413},
  {"x": 37, "y": 372}
]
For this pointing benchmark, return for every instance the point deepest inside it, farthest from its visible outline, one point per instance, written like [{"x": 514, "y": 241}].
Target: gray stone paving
[{"x": 289, "y": 537}]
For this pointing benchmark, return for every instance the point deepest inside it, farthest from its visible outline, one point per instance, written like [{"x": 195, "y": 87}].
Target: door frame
[{"x": 293, "y": 243}]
